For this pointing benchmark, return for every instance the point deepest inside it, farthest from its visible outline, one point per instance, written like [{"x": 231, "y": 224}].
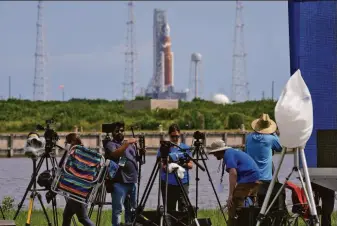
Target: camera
[
  {"x": 199, "y": 135},
  {"x": 50, "y": 136},
  {"x": 45, "y": 179},
  {"x": 108, "y": 127},
  {"x": 178, "y": 157},
  {"x": 165, "y": 148}
]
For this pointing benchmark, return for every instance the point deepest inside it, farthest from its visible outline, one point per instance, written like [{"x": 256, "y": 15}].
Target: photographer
[
  {"x": 124, "y": 185},
  {"x": 174, "y": 193},
  {"x": 73, "y": 207},
  {"x": 243, "y": 173}
]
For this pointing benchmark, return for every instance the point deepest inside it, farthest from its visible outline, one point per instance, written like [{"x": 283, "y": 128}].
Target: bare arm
[
  {"x": 120, "y": 151},
  {"x": 232, "y": 180}
]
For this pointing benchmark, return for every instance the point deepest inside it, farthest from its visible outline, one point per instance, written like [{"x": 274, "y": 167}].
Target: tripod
[
  {"x": 46, "y": 156},
  {"x": 164, "y": 217},
  {"x": 298, "y": 154},
  {"x": 34, "y": 190},
  {"x": 100, "y": 201},
  {"x": 199, "y": 151}
]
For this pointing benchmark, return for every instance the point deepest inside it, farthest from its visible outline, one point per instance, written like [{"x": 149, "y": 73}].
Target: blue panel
[{"x": 313, "y": 47}]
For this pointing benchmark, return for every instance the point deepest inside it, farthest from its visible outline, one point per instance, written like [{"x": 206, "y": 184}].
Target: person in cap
[
  {"x": 261, "y": 144},
  {"x": 243, "y": 172}
]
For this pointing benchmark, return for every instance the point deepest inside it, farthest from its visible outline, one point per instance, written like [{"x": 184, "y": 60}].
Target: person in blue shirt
[
  {"x": 261, "y": 144},
  {"x": 244, "y": 176},
  {"x": 174, "y": 193}
]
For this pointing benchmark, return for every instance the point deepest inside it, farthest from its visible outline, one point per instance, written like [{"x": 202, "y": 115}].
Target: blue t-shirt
[
  {"x": 171, "y": 177},
  {"x": 129, "y": 172},
  {"x": 246, "y": 167},
  {"x": 260, "y": 147}
]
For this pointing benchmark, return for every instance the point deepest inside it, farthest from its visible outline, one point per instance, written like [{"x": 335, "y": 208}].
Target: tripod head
[
  {"x": 51, "y": 137},
  {"x": 198, "y": 144}
]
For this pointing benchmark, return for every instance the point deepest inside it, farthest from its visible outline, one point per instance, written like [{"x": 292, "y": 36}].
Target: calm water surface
[{"x": 15, "y": 175}]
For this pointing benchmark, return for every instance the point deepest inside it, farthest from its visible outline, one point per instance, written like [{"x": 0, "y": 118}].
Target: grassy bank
[
  {"x": 38, "y": 218},
  {"x": 23, "y": 115}
]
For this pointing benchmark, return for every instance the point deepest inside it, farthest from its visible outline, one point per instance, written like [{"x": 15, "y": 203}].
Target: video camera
[
  {"x": 199, "y": 135},
  {"x": 50, "y": 135}
]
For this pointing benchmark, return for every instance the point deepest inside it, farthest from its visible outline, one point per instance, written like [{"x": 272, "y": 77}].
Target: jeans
[
  {"x": 73, "y": 207},
  {"x": 123, "y": 194},
  {"x": 174, "y": 195}
]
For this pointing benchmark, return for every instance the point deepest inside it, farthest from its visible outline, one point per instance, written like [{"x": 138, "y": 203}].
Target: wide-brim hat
[
  {"x": 218, "y": 146},
  {"x": 264, "y": 125}
]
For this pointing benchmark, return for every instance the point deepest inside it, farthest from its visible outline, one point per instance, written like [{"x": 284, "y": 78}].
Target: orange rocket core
[{"x": 167, "y": 62}]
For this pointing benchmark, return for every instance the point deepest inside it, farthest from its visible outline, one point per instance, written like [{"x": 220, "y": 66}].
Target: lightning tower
[
  {"x": 40, "y": 78},
  {"x": 130, "y": 56},
  {"x": 240, "y": 90}
]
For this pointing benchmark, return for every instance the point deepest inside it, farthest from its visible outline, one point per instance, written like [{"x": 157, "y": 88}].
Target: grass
[{"x": 38, "y": 218}]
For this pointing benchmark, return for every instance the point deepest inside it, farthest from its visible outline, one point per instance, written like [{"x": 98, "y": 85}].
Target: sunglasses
[{"x": 174, "y": 136}]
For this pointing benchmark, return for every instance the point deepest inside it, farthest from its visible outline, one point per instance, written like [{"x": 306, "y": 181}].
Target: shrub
[{"x": 235, "y": 120}]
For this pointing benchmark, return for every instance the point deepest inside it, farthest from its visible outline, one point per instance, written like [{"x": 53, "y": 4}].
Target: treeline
[{"x": 23, "y": 115}]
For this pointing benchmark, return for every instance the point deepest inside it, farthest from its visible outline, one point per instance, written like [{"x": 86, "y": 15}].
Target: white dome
[{"x": 220, "y": 99}]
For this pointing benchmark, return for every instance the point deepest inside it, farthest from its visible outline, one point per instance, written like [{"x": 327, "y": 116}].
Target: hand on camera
[{"x": 131, "y": 140}]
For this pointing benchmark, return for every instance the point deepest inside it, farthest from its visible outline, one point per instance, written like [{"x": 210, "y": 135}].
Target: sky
[{"x": 85, "y": 40}]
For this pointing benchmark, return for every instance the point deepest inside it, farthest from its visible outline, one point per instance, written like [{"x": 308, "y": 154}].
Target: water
[{"x": 15, "y": 175}]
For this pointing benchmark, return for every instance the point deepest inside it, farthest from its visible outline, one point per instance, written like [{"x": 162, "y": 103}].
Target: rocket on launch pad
[{"x": 167, "y": 58}]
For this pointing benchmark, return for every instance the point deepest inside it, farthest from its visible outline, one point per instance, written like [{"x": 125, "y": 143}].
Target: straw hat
[
  {"x": 264, "y": 125},
  {"x": 217, "y": 146}
]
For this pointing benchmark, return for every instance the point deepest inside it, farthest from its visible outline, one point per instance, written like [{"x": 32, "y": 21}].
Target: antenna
[
  {"x": 195, "y": 77},
  {"x": 9, "y": 88},
  {"x": 272, "y": 90},
  {"x": 130, "y": 56},
  {"x": 240, "y": 90},
  {"x": 40, "y": 79}
]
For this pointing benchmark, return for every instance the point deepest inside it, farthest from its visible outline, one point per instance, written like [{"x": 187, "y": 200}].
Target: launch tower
[{"x": 161, "y": 85}]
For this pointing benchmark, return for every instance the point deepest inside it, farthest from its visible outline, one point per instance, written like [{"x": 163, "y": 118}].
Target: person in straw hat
[
  {"x": 260, "y": 145},
  {"x": 243, "y": 172}
]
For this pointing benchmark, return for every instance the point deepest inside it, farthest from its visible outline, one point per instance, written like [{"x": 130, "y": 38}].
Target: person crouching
[{"x": 244, "y": 176}]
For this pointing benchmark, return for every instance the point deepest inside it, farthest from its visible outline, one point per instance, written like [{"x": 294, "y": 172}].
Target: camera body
[
  {"x": 178, "y": 157},
  {"x": 50, "y": 136},
  {"x": 199, "y": 135}
]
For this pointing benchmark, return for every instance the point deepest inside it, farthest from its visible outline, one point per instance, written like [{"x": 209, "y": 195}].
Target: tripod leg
[
  {"x": 55, "y": 215},
  {"x": 29, "y": 187},
  {"x": 311, "y": 200},
  {"x": 214, "y": 190},
  {"x": 44, "y": 209},
  {"x": 30, "y": 209},
  {"x": 270, "y": 189}
]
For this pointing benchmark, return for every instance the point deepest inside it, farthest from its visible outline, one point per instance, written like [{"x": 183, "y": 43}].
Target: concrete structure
[
  {"x": 161, "y": 85},
  {"x": 151, "y": 104},
  {"x": 11, "y": 145}
]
